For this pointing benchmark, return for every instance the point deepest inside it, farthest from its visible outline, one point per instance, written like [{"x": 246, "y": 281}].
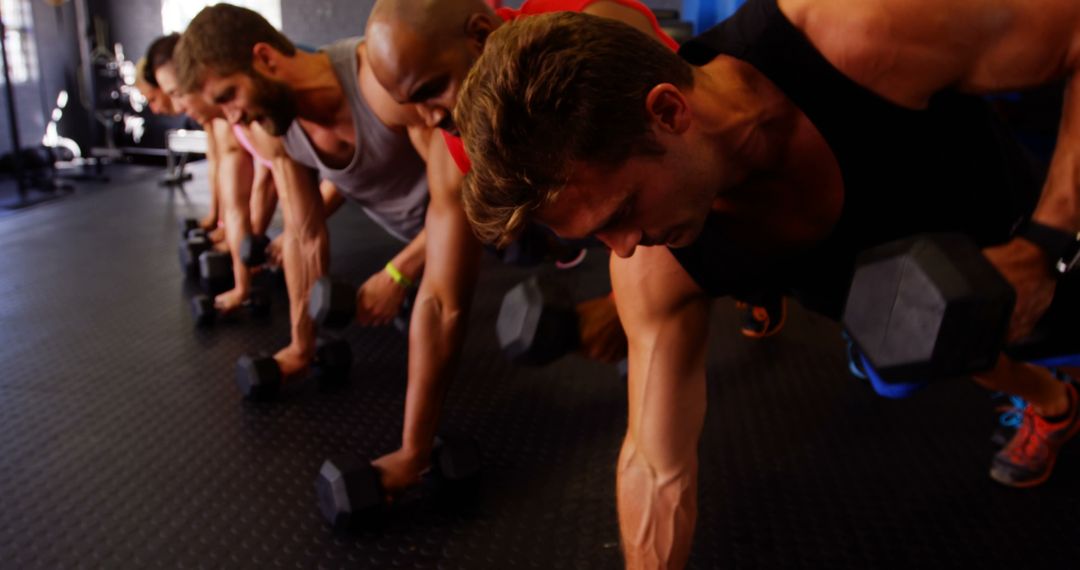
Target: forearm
[
  {"x": 234, "y": 184},
  {"x": 657, "y": 471},
  {"x": 666, "y": 321},
  {"x": 263, "y": 200},
  {"x": 657, "y": 513},
  {"x": 1059, "y": 205},
  {"x": 436, "y": 334},
  {"x": 213, "y": 167},
  {"x": 305, "y": 245}
]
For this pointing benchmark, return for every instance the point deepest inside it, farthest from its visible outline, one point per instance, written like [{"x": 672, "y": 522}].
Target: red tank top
[{"x": 532, "y": 8}]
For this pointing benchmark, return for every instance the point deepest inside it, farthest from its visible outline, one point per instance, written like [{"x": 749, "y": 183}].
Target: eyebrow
[
  {"x": 426, "y": 89},
  {"x": 615, "y": 216}
]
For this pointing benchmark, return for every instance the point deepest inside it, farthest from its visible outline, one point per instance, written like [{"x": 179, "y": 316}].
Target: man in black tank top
[{"x": 790, "y": 137}]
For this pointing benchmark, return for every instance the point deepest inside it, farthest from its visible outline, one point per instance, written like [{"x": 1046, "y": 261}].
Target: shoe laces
[
  {"x": 1013, "y": 414},
  {"x": 1029, "y": 443}
]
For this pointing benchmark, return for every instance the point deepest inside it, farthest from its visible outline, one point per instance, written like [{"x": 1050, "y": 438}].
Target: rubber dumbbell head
[
  {"x": 332, "y": 304},
  {"x": 349, "y": 491},
  {"x": 215, "y": 272},
  {"x": 186, "y": 225},
  {"x": 203, "y": 310},
  {"x": 258, "y": 377},
  {"x": 190, "y": 250},
  {"x": 929, "y": 307},
  {"x": 253, "y": 250},
  {"x": 333, "y": 361},
  {"x": 537, "y": 323}
]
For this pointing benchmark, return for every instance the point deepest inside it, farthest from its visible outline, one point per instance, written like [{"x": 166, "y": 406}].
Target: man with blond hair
[{"x": 781, "y": 143}]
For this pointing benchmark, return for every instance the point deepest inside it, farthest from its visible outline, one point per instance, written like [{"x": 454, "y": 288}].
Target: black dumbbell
[
  {"x": 215, "y": 272},
  {"x": 186, "y": 226},
  {"x": 332, "y": 304},
  {"x": 190, "y": 250},
  {"x": 931, "y": 307},
  {"x": 205, "y": 314},
  {"x": 537, "y": 323},
  {"x": 259, "y": 378},
  {"x": 253, "y": 250},
  {"x": 350, "y": 493}
]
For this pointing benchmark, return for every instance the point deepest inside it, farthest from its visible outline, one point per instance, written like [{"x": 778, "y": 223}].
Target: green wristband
[{"x": 397, "y": 276}]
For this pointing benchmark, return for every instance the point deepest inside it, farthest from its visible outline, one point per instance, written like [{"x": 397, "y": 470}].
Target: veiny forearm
[
  {"x": 666, "y": 320},
  {"x": 234, "y": 184},
  {"x": 264, "y": 200},
  {"x": 305, "y": 245}
]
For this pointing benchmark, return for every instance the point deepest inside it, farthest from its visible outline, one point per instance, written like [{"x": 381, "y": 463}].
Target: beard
[{"x": 276, "y": 105}]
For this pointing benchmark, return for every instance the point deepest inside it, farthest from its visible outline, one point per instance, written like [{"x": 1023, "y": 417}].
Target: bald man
[{"x": 421, "y": 51}]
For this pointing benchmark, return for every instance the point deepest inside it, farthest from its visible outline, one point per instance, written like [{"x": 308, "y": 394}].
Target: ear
[
  {"x": 668, "y": 108},
  {"x": 266, "y": 59},
  {"x": 477, "y": 29}
]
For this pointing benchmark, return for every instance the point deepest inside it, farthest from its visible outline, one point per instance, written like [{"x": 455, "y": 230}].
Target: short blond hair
[{"x": 549, "y": 91}]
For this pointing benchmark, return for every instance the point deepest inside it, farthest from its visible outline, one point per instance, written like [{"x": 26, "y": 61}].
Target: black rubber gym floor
[{"x": 125, "y": 444}]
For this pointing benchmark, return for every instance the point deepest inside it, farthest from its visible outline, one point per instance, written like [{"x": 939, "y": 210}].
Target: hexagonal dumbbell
[
  {"x": 928, "y": 307},
  {"x": 253, "y": 250},
  {"x": 332, "y": 305},
  {"x": 215, "y": 272},
  {"x": 190, "y": 250},
  {"x": 537, "y": 323},
  {"x": 259, "y": 378},
  {"x": 351, "y": 495},
  {"x": 202, "y": 307},
  {"x": 186, "y": 226}
]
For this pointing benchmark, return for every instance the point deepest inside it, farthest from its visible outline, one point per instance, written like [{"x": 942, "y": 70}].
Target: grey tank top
[{"x": 386, "y": 176}]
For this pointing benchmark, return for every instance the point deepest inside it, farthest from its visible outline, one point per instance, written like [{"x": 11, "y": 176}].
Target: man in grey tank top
[{"x": 325, "y": 113}]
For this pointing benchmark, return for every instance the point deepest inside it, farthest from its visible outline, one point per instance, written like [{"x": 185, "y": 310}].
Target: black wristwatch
[{"x": 1062, "y": 248}]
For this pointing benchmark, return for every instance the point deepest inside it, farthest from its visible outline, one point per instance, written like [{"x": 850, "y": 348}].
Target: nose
[{"x": 622, "y": 242}]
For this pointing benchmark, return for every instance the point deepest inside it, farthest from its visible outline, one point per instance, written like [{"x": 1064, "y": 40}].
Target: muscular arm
[
  {"x": 234, "y": 183},
  {"x": 908, "y": 50},
  {"x": 442, "y": 304},
  {"x": 666, "y": 320},
  {"x": 263, "y": 200},
  {"x": 305, "y": 244},
  {"x": 213, "y": 164}
]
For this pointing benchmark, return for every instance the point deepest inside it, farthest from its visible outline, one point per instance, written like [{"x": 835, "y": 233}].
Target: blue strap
[
  {"x": 894, "y": 390},
  {"x": 1057, "y": 361}
]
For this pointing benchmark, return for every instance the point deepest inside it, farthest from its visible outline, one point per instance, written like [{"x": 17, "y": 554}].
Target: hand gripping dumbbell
[
  {"x": 933, "y": 307},
  {"x": 259, "y": 378},
  {"x": 253, "y": 250},
  {"x": 350, "y": 493},
  {"x": 332, "y": 304},
  {"x": 206, "y": 314}
]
